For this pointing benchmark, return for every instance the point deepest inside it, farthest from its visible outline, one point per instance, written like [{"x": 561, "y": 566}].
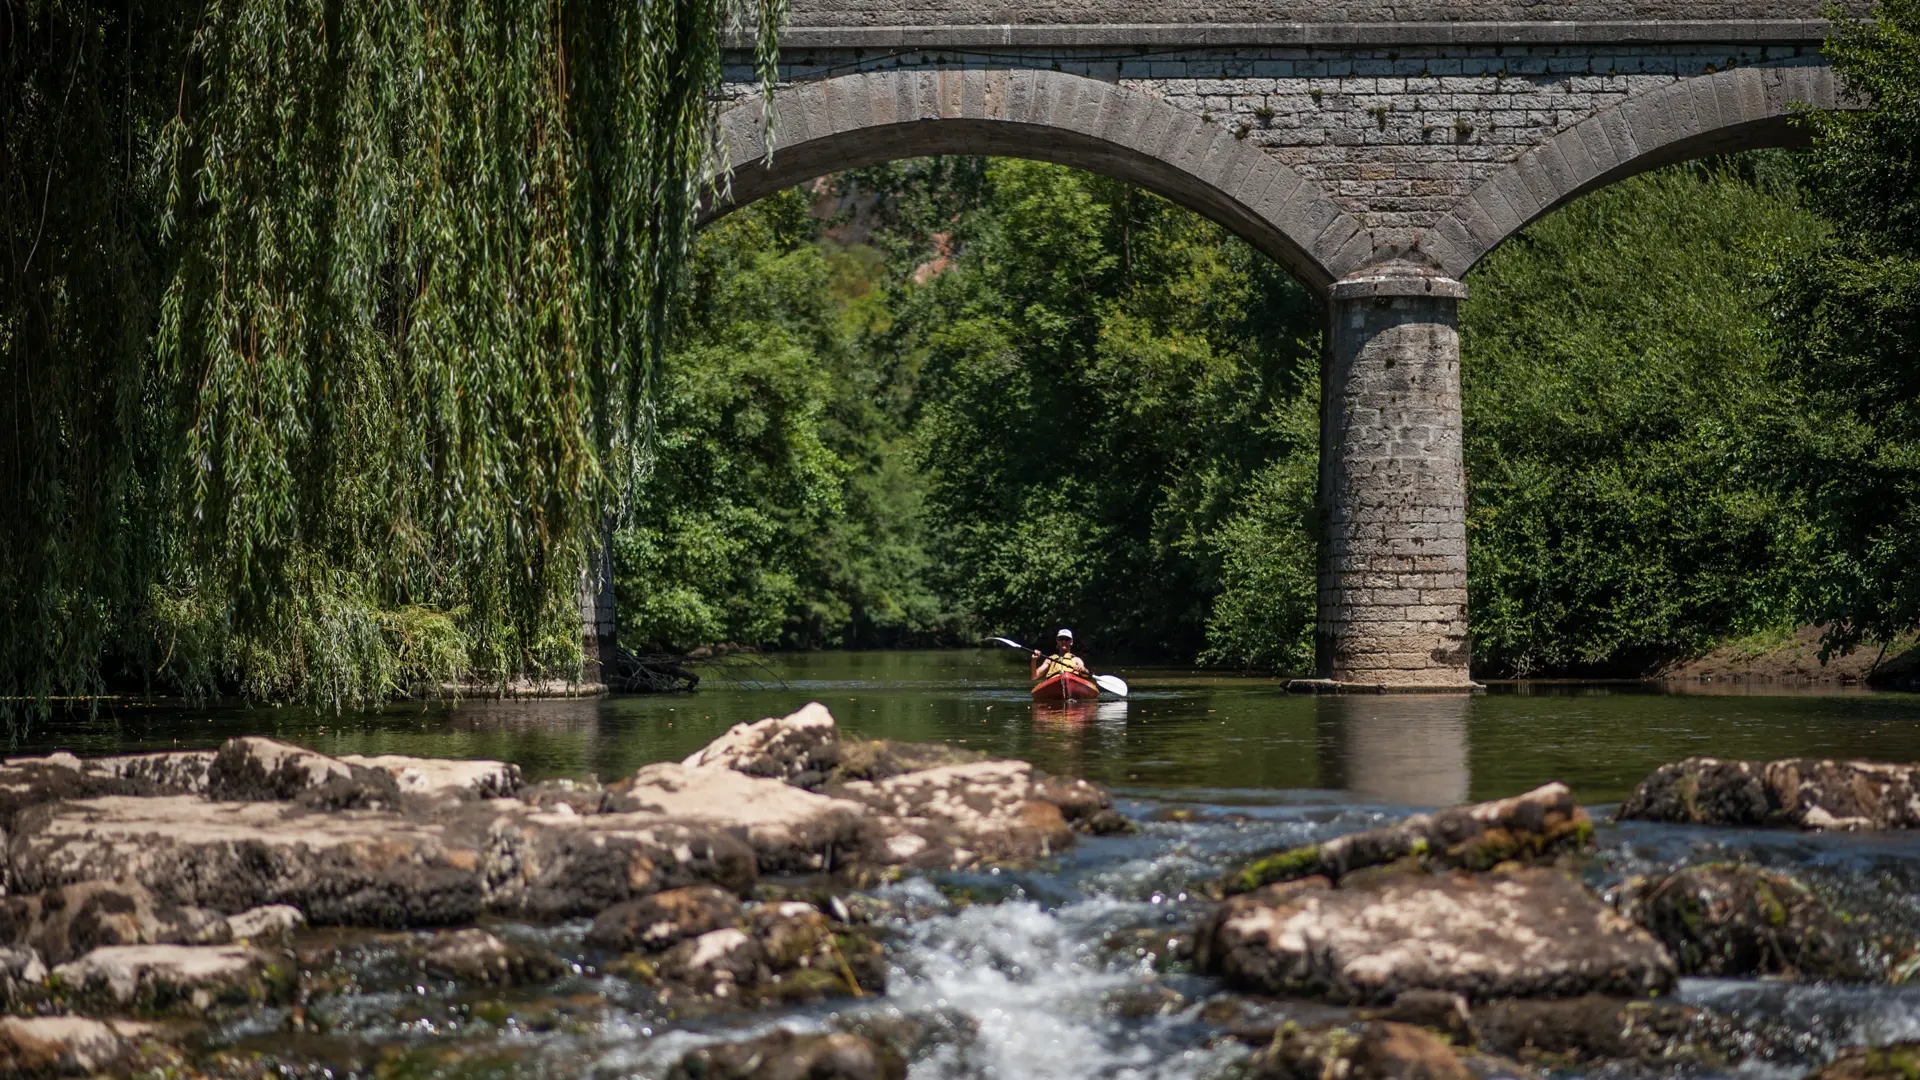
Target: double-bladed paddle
[{"x": 1112, "y": 684}]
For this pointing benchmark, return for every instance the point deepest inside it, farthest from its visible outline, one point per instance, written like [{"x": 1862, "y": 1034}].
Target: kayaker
[{"x": 1046, "y": 667}]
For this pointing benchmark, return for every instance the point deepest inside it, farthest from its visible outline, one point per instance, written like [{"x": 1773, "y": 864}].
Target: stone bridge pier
[{"x": 1376, "y": 151}]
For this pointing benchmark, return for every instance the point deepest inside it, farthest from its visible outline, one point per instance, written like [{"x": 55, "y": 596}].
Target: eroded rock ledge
[
  {"x": 397, "y": 842},
  {"x": 1807, "y": 793}
]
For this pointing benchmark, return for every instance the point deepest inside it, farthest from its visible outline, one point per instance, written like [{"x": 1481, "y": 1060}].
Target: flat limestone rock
[
  {"x": 1531, "y": 933},
  {"x": 191, "y": 979},
  {"x": 789, "y": 828},
  {"x": 444, "y": 776},
  {"x": 554, "y": 863},
  {"x": 65, "y": 921},
  {"x": 1807, "y": 793},
  {"x": 182, "y": 771},
  {"x": 251, "y": 768},
  {"x": 358, "y": 867},
  {"x": 957, "y": 815},
  {"x": 64, "y": 1045},
  {"x": 1540, "y": 824},
  {"x": 409, "y": 842}
]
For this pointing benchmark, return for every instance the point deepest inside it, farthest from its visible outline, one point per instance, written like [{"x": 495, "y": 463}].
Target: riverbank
[{"x": 1792, "y": 658}]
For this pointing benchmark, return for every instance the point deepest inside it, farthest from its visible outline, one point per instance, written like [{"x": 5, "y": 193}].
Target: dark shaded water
[{"x": 1033, "y": 974}]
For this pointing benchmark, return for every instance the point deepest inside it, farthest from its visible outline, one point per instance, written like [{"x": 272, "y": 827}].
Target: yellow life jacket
[{"x": 1061, "y": 662}]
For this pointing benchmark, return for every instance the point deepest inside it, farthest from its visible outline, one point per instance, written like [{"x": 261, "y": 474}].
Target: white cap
[{"x": 1064, "y": 632}]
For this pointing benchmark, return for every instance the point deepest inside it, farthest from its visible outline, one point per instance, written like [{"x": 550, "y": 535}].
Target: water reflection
[
  {"x": 1110, "y": 715},
  {"x": 1180, "y": 729},
  {"x": 1409, "y": 749}
]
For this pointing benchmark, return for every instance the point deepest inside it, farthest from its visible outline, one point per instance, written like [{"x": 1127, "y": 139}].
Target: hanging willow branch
[{"x": 341, "y": 308}]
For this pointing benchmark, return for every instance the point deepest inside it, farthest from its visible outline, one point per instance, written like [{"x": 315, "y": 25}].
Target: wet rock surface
[
  {"x": 40, "y": 1046},
  {"x": 1808, "y": 793},
  {"x": 785, "y": 1055},
  {"x": 1380, "y": 1050},
  {"x": 1899, "y": 1061},
  {"x": 1539, "y": 825},
  {"x": 1727, "y": 919},
  {"x": 663, "y": 920},
  {"x": 185, "y": 979},
  {"x": 788, "y": 904},
  {"x": 1528, "y": 933}
]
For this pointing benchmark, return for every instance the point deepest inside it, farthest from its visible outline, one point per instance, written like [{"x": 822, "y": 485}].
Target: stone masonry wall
[
  {"x": 937, "y": 12},
  {"x": 1395, "y": 136},
  {"x": 1393, "y": 575}
]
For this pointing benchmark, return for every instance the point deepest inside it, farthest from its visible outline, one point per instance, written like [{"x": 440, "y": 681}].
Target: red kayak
[{"x": 1065, "y": 686}]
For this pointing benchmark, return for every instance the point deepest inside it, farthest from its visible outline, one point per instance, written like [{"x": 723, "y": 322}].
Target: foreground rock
[
  {"x": 406, "y": 842},
  {"x": 184, "y": 979},
  {"x": 1897, "y": 1061},
  {"x": 789, "y": 951},
  {"x": 1528, "y": 933},
  {"x": 799, "y": 748},
  {"x": 1807, "y": 793},
  {"x": 1654, "y": 1033},
  {"x": 1539, "y": 825},
  {"x": 784, "y": 1055},
  {"x": 64, "y": 1045},
  {"x": 1380, "y": 1050},
  {"x": 663, "y": 920},
  {"x": 1725, "y": 919},
  {"x": 65, "y": 921}
]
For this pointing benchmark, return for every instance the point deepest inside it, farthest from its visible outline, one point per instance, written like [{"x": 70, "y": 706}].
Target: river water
[{"x": 1027, "y": 964}]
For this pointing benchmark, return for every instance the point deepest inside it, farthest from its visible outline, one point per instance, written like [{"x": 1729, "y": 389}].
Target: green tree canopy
[
  {"x": 1847, "y": 327},
  {"x": 328, "y": 327}
]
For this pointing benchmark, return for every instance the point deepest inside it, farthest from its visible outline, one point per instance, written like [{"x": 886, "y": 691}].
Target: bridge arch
[
  {"x": 1381, "y": 197},
  {"x": 1748, "y": 108},
  {"x": 848, "y": 121}
]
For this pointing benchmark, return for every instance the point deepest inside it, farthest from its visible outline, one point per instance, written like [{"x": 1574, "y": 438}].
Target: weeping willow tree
[{"x": 326, "y": 327}]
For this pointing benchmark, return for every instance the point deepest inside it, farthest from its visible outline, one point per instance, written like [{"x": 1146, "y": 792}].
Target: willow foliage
[{"x": 331, "y": 322}]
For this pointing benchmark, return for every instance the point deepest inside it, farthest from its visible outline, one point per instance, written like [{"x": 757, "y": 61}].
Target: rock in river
[
  {"x": 663, "y": 920},
  {"x": 407, "y": 842},
  {"x": 191, "y": 979},
  {"x": 785, "y": 1055},
  {"x": 64, "y": 1045},
  {"x": 1897, "y": 1061},
  {"x": 1538, "y": 825},
  {"x": 1809, "y": 793},
  {"x": 1725, "y": 919},
  {"x": 1529, "y": 933}
]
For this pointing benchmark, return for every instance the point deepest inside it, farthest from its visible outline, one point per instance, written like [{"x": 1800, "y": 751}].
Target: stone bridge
[{"x": 1378, "y": 151}]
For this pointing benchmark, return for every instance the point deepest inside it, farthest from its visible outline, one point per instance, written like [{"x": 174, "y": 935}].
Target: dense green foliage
[
  {"x": 1103, "y": 411},
  {"x": 328, "y": 328},
  {"x": 1847, "y": 326},
  {"x": 1628, "y": 443},
  {"x": 781, "y": 508},
  {"x": 1100, "y": 409}
]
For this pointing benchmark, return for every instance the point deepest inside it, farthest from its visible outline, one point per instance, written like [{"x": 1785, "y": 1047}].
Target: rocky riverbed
[{"x": 789, "y": 904}]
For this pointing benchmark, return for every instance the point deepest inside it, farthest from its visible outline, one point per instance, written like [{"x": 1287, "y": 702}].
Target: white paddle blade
[
  {"x": 1112, "y": 684},
  {"x": 1009, "y": 643}
]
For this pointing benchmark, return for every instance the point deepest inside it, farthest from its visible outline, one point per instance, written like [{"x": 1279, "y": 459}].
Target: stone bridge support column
[
  {"x": 597, "y": 624},
  {"x": 1393, "y": 498}
]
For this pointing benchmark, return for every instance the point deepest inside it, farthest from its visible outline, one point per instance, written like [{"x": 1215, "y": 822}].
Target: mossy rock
[
  {"x": 881, "y": 759},
  {"x": 1898, "y": 1061},
  {"x": 1289, "y": 865}
]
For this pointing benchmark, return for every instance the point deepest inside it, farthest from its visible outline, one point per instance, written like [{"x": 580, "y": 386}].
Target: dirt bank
[{"x": 1795, "y": 659}]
